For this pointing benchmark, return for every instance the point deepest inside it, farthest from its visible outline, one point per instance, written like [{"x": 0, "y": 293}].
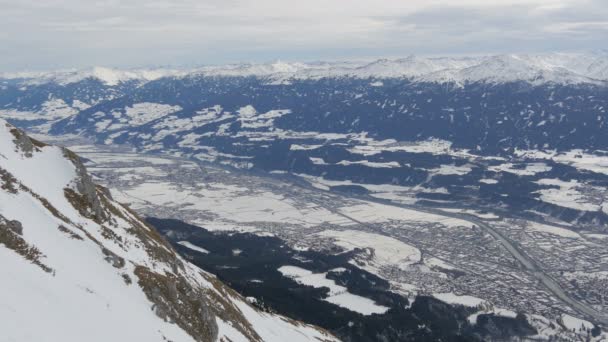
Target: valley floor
[{"x": 483, "y": 260}]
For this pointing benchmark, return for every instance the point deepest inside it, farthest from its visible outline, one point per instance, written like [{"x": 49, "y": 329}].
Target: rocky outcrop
[
  {"x": 86, "y": 197},
  {"x": 11, "y": 236},
  {"x": 22, "y": 142},
  {"x": 175, "y": 300}
]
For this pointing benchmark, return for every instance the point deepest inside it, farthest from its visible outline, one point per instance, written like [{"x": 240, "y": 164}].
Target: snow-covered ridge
[
  {"x": 527, "y": 68},
  {"x": 108, "y": 76},
  {"x": 560, "y": 68},
  {"x": 78, "y": 266}
]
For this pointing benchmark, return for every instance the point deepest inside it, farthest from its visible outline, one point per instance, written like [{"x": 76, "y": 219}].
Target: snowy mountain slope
[
  {"x": 593, "y": 65},
  {"x": 561, "y": 68},
  {"x": 535, "y": 70},
  {"x": 80, "y": 266}
]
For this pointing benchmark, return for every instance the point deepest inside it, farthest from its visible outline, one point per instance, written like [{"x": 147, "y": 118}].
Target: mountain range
[
  {"x": 514, "y": 139},
  {"x": 562, "y": 68}
]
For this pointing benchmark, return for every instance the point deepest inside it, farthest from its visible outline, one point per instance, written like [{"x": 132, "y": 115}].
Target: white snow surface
[
  {"x": 193, "y": 247},
  {"x": 451, "y": 170},
  {"x": 338, "y": 295},
  {"x": 570, "y": 194},
  {"x": 574, "y": 323},
  {"x": 372, "y": 212},
  {"x": 387, "y": 251},
  {"x": 141, "y": 113},
  {"x": 583, "y": 160},
  {"x": 562, "y": 232},
  {"x": 465, "y": 300},
  {"x": 529, "y": 169}
]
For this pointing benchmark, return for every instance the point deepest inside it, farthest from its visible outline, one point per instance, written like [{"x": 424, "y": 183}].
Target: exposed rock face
[
  {"x": 176, "y": 301},
  {"x": 15, "y": 227},
  {"x": 22, "y": 142},
  {"x": 7, "y": 181},
  {"x": 87, "y": 189}
]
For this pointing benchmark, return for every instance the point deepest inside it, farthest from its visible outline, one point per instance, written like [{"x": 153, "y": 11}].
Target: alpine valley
[{"x": 421, "y": 198}]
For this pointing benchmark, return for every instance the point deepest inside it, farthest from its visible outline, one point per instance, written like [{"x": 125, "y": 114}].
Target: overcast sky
[{"x": 50, "y": 34}]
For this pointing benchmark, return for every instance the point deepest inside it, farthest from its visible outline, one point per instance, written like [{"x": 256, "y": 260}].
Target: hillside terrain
[{"x": 80, "y": 266}]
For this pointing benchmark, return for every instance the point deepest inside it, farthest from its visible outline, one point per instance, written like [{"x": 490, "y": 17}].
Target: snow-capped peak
[
  {"x": 408, "y": 67},
  {"x": 114, "y": 77}
]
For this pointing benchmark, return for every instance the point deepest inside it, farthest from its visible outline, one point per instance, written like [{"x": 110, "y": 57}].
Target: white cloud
[
  {"x": 577, "y": 27},
  {"x": 60, "y": 33}
]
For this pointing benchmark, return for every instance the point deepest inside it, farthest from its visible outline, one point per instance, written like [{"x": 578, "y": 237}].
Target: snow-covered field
[
  {"x": 397, "y": 193},
  {"x": 562, "y": 232},
  {"x": 583, "y": 160},
  {"x": 465, "y": 300},
  {"x": 376, "y": 212},
  {"x": 193, "y": 247},
  {"x": 529, "y": 169},
  {"x": 574, "y": 323},
  {"x": 384, "y": 251},
  {"x": 573, "y": 194},
  {"x": 433, "y": 146},
  {"x": 483, "y": 306},
  {"x": 227, "y": 204},
  {"x": 141, "y": 113},
  {"x": 451, "y": 170},
  {"x": 338, "y": 295},
  {"x": 483, "y": 215}
]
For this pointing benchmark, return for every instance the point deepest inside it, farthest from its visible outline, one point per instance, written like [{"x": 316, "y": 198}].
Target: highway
[
  {"x": 524, "y": 259},
  {"x": 512, "y": 247}
]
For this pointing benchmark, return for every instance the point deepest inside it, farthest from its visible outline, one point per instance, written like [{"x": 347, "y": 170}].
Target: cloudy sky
[{"x": 49, "y": 34}]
